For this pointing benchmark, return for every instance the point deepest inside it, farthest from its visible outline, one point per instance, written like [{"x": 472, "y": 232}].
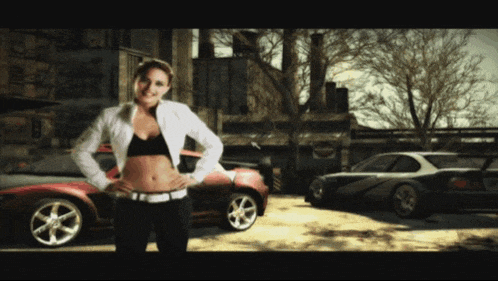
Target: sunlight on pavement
[{"x": 288, "y": 225}]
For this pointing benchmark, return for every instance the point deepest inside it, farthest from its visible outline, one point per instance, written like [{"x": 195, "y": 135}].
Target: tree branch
[{"x": 411, "y": 103}]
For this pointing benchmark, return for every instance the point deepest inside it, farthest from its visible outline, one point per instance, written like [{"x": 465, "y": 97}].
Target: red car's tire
[
  {"x": 53, "y": 222},
  {"x": 240, "y": 213}
]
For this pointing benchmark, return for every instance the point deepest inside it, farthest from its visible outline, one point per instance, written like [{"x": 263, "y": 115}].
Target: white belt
[{"x": 158, "y": 197}]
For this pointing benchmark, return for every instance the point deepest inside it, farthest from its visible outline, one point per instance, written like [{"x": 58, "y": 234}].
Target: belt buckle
[
  {"x": 154, "y": 198},
  {"x": 142, "y": 197},
  {"x": 158, "y": 198}
]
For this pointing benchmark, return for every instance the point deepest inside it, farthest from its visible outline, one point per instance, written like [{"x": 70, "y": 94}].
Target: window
[
  {"x": 376, "y": 164},
  {"x": 187, "y": 164},
  {"x": 493, "y": 165},
  {"x": 106, "y": 161},
  {"x": 453, "y": 161},
  {"x": 405, "y": 164},
  {"x": 63, "y": 165}
]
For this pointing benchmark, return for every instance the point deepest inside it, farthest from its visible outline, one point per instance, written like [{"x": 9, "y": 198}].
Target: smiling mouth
[{"x": 149, "y": 95}]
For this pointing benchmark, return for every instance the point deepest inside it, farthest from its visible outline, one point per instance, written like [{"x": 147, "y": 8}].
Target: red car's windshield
[{"x": 63, "y": 165}]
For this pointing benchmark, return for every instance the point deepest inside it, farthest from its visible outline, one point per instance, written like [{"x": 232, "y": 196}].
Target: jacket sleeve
[
  {"x": 212, "y": 144},
  {"x": 86, "y": 145}
]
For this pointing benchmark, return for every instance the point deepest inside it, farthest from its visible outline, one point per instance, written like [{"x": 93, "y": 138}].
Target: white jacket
[{"x": 114, "y": 124}]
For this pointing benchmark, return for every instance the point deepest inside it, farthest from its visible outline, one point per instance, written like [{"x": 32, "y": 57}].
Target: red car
[{"x": 49, "y": 203}]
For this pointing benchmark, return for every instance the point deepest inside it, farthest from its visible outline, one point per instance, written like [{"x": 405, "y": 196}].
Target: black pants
[{"x": 134, "y": 221}]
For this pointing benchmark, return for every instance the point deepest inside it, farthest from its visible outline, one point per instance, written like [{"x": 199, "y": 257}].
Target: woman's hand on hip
[
  {"x": 119, "y": 186},
  {"x": 184, "y": 180}
]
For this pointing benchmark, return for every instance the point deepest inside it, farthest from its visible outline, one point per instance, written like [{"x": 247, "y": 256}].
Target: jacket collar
[{"x": 133, "y": 108}]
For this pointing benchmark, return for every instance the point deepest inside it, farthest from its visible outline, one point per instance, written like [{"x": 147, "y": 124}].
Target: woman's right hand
[{"x": 119, "y": 187}]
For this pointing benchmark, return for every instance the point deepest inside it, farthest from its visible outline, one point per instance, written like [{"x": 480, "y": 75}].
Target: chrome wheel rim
[
  {"x": 55, "y": 223},
  {"x": 242, "y": 212},
  {"x": 405, "y": 200}
]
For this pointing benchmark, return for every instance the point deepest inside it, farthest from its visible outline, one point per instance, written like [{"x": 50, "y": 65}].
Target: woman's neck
[{"x": 149, "y": 109}]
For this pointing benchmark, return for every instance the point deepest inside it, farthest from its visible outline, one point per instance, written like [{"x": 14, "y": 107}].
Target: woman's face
[{"x": 152, "y": 87}]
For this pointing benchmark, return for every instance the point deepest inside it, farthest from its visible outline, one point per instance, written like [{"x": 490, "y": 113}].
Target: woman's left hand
[
  {"x": 119, "y": 187},
  {"x": 184, "y": 180}
]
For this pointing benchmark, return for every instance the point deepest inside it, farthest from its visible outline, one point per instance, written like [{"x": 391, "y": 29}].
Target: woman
[{"x": 146, "y": 137}]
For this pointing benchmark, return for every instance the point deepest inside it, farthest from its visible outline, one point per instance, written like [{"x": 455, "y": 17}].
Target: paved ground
[{"x": 290, "y": 224}]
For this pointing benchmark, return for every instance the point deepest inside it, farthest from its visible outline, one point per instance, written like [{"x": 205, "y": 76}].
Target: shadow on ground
[
  {"x": 105, "y": 236},
  {"x": 437, "y": 221}
]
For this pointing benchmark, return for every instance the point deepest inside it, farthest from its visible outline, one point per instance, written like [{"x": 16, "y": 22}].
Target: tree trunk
[
  {"x": 291, "y": 170},
  {"x": 289, "y": 69}
]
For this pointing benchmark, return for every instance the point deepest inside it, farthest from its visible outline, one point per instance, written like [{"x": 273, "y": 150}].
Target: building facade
[
  {"x": 83, "y": 71},
  {"x": 254, "y": 123}
]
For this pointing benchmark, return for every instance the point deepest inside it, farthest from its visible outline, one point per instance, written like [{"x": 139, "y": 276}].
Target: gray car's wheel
[
  {"x": 241, "y": 212},
  {"x": 317, "y": 193},
  {"x": 54, "y": 222},
  {"x": 406, "y": 202}
]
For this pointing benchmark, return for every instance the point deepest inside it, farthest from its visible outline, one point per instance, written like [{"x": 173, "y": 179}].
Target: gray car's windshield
[{"x": 378, "y": 163}]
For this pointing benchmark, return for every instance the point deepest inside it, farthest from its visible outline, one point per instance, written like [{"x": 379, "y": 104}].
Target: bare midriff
[{"x": 150, "y": 173}]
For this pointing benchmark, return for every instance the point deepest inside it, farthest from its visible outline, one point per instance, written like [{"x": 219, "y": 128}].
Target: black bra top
[{"x": 154, "y": 146}]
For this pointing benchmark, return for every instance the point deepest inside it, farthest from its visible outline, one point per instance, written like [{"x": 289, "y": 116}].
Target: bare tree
[
  {"x": 430, "y": 77},
  {"x": 341, "y": 47},
  {"x": 294, "y": 49}
]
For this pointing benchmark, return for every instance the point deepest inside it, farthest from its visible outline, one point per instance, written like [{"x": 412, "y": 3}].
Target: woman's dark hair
[{"x": 144, "y": 67}]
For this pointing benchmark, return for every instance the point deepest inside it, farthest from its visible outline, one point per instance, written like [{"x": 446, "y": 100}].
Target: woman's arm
[
  {"x": 200, "y": 132},
  {"x": 86, "y": 145}
]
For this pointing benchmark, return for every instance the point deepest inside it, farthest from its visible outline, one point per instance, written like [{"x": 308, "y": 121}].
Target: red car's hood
[{"x": 25, "y": 180}]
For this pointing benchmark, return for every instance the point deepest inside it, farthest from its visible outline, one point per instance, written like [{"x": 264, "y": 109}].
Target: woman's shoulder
[
  {"x": 121, "y": 109},
  {"x": 174, "y": 105}
]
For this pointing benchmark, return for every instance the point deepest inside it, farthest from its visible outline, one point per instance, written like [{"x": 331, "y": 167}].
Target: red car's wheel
[
  {"x": 54, "y": 222},
  {"x": 241, "y": 212}
]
